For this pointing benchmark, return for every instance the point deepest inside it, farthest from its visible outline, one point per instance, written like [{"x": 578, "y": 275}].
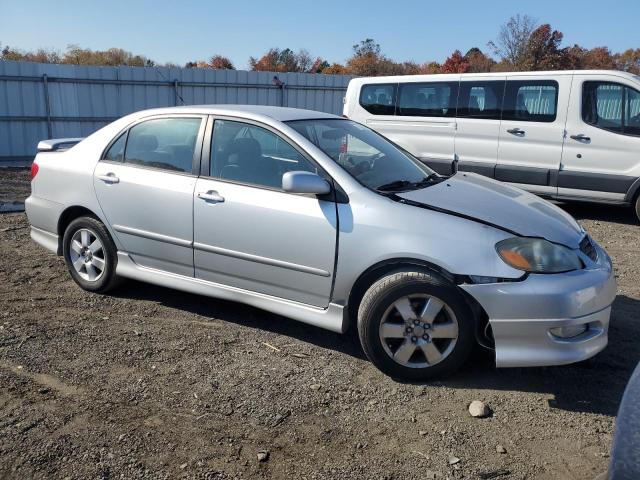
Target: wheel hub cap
[
  {"x": 87, "y": 255},
  {"x": 418, "y": 331}
]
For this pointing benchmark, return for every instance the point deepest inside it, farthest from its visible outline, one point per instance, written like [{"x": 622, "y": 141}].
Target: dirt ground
[
  {"x": 153, "y": 383},
  {"x": 14, "y": 184}
]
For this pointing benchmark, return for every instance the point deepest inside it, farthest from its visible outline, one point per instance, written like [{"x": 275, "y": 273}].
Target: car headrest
[{"x": 246, "y": 148}]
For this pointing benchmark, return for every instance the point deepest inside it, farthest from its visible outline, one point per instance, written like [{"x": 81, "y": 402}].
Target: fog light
[{"x": 569, "y": 331}]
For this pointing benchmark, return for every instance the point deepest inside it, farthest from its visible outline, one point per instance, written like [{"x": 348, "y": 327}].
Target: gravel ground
[
  {"x": 153, "y": 383},
  {"x": 15, "y": 184}
]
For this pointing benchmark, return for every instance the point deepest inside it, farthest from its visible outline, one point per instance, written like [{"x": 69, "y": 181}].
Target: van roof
[{"x": 451, "y": 76}]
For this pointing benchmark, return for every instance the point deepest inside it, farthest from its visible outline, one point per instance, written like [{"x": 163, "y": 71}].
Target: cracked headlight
[{"x": 537, "y": 255}]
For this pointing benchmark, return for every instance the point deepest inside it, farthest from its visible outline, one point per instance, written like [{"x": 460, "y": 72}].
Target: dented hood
[{"x": 492, "y": 202}]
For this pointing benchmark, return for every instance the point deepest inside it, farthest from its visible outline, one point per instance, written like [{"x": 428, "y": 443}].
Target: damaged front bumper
[{"x": 551, "y": 319}]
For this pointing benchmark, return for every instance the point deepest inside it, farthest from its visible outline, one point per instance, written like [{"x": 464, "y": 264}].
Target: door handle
[
  {"x": 211, "y": 196},
  {"x": 109, "y": 178},
  {"x": 581, "y": 138},
  {"x": 515, "y": 131}
]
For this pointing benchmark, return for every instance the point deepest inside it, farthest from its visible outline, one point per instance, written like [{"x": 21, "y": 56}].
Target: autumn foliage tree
[
  {"x": 286, "y": 60},
  {"x": 543, "y": 50},
  {"x": 521, "y": 44},
  {"x": 456, "y": 63}
]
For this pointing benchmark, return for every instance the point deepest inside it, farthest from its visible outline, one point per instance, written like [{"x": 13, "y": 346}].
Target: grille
[{"x": 587, "y": 247}]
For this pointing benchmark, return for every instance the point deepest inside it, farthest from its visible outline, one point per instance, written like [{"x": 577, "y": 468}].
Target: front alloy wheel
[
  {"x": 418, "y": 331},
  {"x": 415, "y": 325}
]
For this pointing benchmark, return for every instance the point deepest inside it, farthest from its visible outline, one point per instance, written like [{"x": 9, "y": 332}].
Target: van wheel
[
  {"x": 638, "y": 207},
  {"x": 414, "y": 325},
  {"x": 90, "y": 254}
]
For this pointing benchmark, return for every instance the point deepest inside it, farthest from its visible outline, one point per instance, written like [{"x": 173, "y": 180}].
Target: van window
[
  {"x": 632, "y": 111},
  {"x": 379, "y": 99},
  {"x": 481, "y": 99},
  {"x": 611, "y": 106},
  {"x": 428, "y": 99},
  {"x": 165, "y": 143},
  {"x": 530, "y": 101}
]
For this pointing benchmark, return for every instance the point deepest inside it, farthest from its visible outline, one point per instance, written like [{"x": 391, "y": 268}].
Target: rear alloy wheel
[
  {"x": 90, "y": 254},
  {"x": 415, "y": 325},
  {"x": 87, "y": 255}
]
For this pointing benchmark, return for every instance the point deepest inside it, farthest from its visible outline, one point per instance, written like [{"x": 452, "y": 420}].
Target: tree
[
  {"x": 336, "y": 69},
  {"x": 543, "y": 50},
  {"x": 286, "y": 60},
  {"x": 456, "y": 63},
  {"x": 368, "y": 61},
  {"x": 478, "y": 61},
  {"x": 319, "y": 66},
  {"x": 218, "y": 62},
  {"x": 113, "y": 56},
  {"x": 513, "y": 38},
  {"x": 629, "y": 61},
  {"x": 430, "y": 68}
]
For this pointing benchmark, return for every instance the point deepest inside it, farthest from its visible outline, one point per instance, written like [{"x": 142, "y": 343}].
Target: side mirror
[{"x": 305, "y": 182}]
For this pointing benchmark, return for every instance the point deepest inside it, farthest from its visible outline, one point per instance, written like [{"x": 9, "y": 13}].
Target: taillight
[{"x": 34, "y": 170}]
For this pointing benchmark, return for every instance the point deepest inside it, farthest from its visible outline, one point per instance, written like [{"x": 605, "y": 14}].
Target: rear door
[
  {"x": 600, "y": 158},
  {"x": 532, "y": 131},
  {"x": 478, "y": 124},
  {"x": 252, "y": 235},
  {"x": 144, "y": 185}
]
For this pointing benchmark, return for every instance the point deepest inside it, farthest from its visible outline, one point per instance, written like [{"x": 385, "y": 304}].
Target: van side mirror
[{"x": 305, "y": 182}]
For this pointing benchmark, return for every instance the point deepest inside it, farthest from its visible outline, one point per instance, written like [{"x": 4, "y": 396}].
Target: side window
[
  {"x": 481, "y": 99},
  {"x": 379, "y": 99},
  {"x": 165, "y": 143},
  {"x": 246, "y": 153},
  {"x": 530, "y": 101},
  {"x": 602, "y": 105},
  {"x": 116, "y": 150},
  {"x": 428, "y": 99}
]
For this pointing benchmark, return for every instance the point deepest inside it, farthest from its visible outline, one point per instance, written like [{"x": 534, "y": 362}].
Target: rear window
[
  {"x": 530, "y": 100},
  {"x": 379, "y": 99},
  {"x": 428, "y": 99},
  {"x": 166, "y": 143}
]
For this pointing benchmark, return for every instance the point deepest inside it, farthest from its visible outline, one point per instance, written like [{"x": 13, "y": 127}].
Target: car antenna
[{"x": 454, "y": 165}]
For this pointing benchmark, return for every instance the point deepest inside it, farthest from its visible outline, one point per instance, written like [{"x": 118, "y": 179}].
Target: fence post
[
  {"x": 47, "y": 105},
  {"x": 175, "y": 92}
]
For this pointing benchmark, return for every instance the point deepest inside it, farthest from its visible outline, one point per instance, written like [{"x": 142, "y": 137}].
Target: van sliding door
[{"x": 531, "y": 133}]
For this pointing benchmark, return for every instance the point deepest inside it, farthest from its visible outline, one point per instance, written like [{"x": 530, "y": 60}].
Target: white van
[{"x": 571, "y": 135}]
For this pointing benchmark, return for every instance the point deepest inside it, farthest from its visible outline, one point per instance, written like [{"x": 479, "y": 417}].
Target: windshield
[{"x": 370, "y": 158}]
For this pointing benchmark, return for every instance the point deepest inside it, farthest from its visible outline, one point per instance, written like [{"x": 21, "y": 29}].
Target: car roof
[{"x": 257, "y": 112}]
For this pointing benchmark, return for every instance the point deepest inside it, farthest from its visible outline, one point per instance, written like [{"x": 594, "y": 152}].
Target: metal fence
[{"x": 39, "y": 101}]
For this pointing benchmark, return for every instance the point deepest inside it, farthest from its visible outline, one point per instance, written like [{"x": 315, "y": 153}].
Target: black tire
[
  {"x": 637, "y": 205},
  {"x": 107, "y": 279},
  {"x": 394, "y": 286}
]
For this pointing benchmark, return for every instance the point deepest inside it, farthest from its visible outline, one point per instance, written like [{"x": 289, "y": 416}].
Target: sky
[{"x": 185, "y": 30}]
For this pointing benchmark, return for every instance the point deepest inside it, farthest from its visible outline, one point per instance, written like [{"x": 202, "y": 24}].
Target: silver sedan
[{"x": 320, "y": 219}]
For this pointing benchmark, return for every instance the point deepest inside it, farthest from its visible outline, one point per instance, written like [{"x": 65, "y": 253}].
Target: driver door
[
  {"x": 602, "y": 138},
  {"x": 248, "y": 232}
]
